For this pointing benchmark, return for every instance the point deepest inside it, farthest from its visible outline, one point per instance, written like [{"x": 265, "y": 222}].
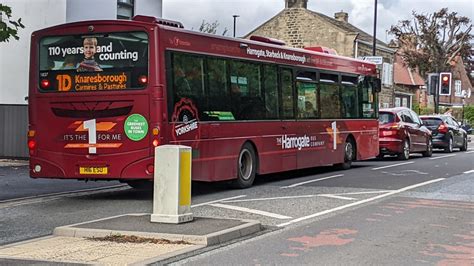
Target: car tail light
[
  {"x": 443, "y": 128},
  {"x": 390, "y": 130}
]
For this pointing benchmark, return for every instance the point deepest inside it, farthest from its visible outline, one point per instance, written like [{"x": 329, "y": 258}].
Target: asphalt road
[{"x": 379, "y": 212}]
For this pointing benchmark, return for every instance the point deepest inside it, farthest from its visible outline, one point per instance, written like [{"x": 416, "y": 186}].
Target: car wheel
[
  {"x": 429, "y": 149},
  {"x": 449, "y": 147},
  {"x": 349, "y": 155},
  {"x": 464, "y": 144},
  {"x": 246, "y": 167},
  {"x": 405, "y": 154}
]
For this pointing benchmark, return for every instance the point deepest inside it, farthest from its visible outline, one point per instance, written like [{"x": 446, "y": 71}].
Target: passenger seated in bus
[
  {"x": 309, "y": 111},
  {"x": 181, "y": 84},
  {"x": 89, "y": 64}
]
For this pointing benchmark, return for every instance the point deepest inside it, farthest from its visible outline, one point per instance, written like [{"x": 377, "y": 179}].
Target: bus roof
[{"x": 174, "y": 36}]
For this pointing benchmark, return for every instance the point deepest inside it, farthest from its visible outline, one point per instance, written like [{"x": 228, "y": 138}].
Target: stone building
[{"x": 299, "y": 27}]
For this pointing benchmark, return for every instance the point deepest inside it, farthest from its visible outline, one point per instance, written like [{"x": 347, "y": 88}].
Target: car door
[
  {"x": 457, "y": 132},
  {"x": 423, "y": 133},
  {"x": 410, "y": 128}
]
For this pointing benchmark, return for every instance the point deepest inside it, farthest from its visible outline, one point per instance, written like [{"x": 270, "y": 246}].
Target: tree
[
  {"x": 8, "y": 27},
  {"x": 211, "y": 27},
  {"x": 430, "y": 42}
]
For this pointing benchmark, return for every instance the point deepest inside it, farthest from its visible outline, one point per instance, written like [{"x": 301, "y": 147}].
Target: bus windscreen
[{"x": 101, "y": 62}]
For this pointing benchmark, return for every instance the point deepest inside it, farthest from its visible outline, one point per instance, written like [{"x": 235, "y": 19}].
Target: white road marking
[
  {"x": 219, "y": 200},
  {"x": 242, "y": 209},
  {"x": 470, "y": 152},
  {"x": 392, "y": 165},
  {"x": 336, "y": 197},
  {"x": 441, "y": 157},
  {"x": 272, "y": 198},
  {"x": 311, "y": 181},
  {"x": 469, "y": 172},
  {"x": 360, "y": 202},
  {"x": 59, "y": 195},
  {"x": 364, "y": 192},
  {"x": 290, "y": 197}
]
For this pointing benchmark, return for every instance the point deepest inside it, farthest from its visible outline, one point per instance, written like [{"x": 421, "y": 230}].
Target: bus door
[{"x": 289, "y": 132}]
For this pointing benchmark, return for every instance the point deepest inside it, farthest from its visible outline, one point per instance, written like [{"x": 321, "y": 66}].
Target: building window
[
  {"x": 457, "y": 87},
  {"x": 124, "y": 9}
]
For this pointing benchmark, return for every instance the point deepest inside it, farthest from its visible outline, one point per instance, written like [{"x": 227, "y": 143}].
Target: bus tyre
[
  {"x": 246, "y": 167},
  {"x": 349, "y": 155}
]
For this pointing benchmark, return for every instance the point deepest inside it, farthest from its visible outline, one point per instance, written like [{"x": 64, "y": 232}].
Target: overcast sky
[{"x": 255, "y": 12}]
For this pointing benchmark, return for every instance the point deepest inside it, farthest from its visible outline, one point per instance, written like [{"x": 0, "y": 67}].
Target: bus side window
[
  {"x": 330, "y": 100},
  {"x": 271, "y": 91},
  {"x": 287, "y": 93},
  {"x": 307, "y": 100},
  {"x": 246, "y": 91}
]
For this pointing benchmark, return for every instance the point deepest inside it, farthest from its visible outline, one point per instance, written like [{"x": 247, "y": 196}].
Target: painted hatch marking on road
[
  {"x": 392, "y": 165},
  {"x": 216, "y": 201},
  {"x": 290, "y": 197},
  {"x": 243, "y": 209},
  {"x": 441, "y": 157},
  {"x": 359, "y": 202},
  {"x": 311, "y": 181},
  {"x": 470, "y": 152},
  {"x": 469, "y": 172}
]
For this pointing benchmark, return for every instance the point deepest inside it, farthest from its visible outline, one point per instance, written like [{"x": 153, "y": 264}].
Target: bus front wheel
[{"x": 246, "y": 167}]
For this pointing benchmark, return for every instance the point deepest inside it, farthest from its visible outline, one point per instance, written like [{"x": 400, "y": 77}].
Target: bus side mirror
[{"x": 377, "y": 85}]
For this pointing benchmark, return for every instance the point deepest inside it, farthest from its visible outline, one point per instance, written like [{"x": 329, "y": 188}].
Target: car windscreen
[
  {"x": 101, "y": 62},
  {"x": 386, "y": 118},
  {"x": 429, "y": 121}
]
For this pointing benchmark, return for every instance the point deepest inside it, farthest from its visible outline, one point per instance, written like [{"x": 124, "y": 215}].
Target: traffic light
[
  {"x": 445, "y": 83},
  {"x": 433, "y": 83}
]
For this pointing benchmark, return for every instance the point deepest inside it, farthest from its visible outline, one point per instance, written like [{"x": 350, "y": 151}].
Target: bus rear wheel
[
  {"x": 246, "y": 167},
  {"x": 349, "y": 155}
]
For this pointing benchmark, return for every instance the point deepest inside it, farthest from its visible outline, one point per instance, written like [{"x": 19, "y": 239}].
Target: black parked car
[{"x": 446, "y": 132}]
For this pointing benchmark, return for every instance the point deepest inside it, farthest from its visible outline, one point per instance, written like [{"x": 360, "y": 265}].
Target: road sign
[{"x": 378, "y": 60}]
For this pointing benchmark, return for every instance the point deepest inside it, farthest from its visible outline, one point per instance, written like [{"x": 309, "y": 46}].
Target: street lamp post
[
  {"x": 375, "y": 29},
  {"x": 235, "y": 18}
]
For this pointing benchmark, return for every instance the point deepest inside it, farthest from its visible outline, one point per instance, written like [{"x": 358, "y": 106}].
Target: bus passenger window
[
  {"x": 271, "y": 91},
  {"x": 287, "y": 93},
  {"x": 307, "y": 100},
  {"x": 188, "y": 76},
  {"x": 330, "y": 100},
  {"x": 246, "y": 91}
]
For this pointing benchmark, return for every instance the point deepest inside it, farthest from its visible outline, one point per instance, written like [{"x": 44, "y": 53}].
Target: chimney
[
  {"x": 342, "y": 16},
  {"x": 296, "y": 4}
]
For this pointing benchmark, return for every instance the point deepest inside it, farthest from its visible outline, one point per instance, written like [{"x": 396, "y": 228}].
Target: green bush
[{"x": 469, "y": 114}]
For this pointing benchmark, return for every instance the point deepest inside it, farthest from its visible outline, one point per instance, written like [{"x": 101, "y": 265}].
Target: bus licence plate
[{"x": 93, "y": 170}]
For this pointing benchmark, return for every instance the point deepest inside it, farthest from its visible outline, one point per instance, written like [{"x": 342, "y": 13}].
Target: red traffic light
[{"x": 445, "y": 84}]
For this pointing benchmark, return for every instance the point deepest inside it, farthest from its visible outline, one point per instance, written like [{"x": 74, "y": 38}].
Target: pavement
[{"x": 130, "y": 239}]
